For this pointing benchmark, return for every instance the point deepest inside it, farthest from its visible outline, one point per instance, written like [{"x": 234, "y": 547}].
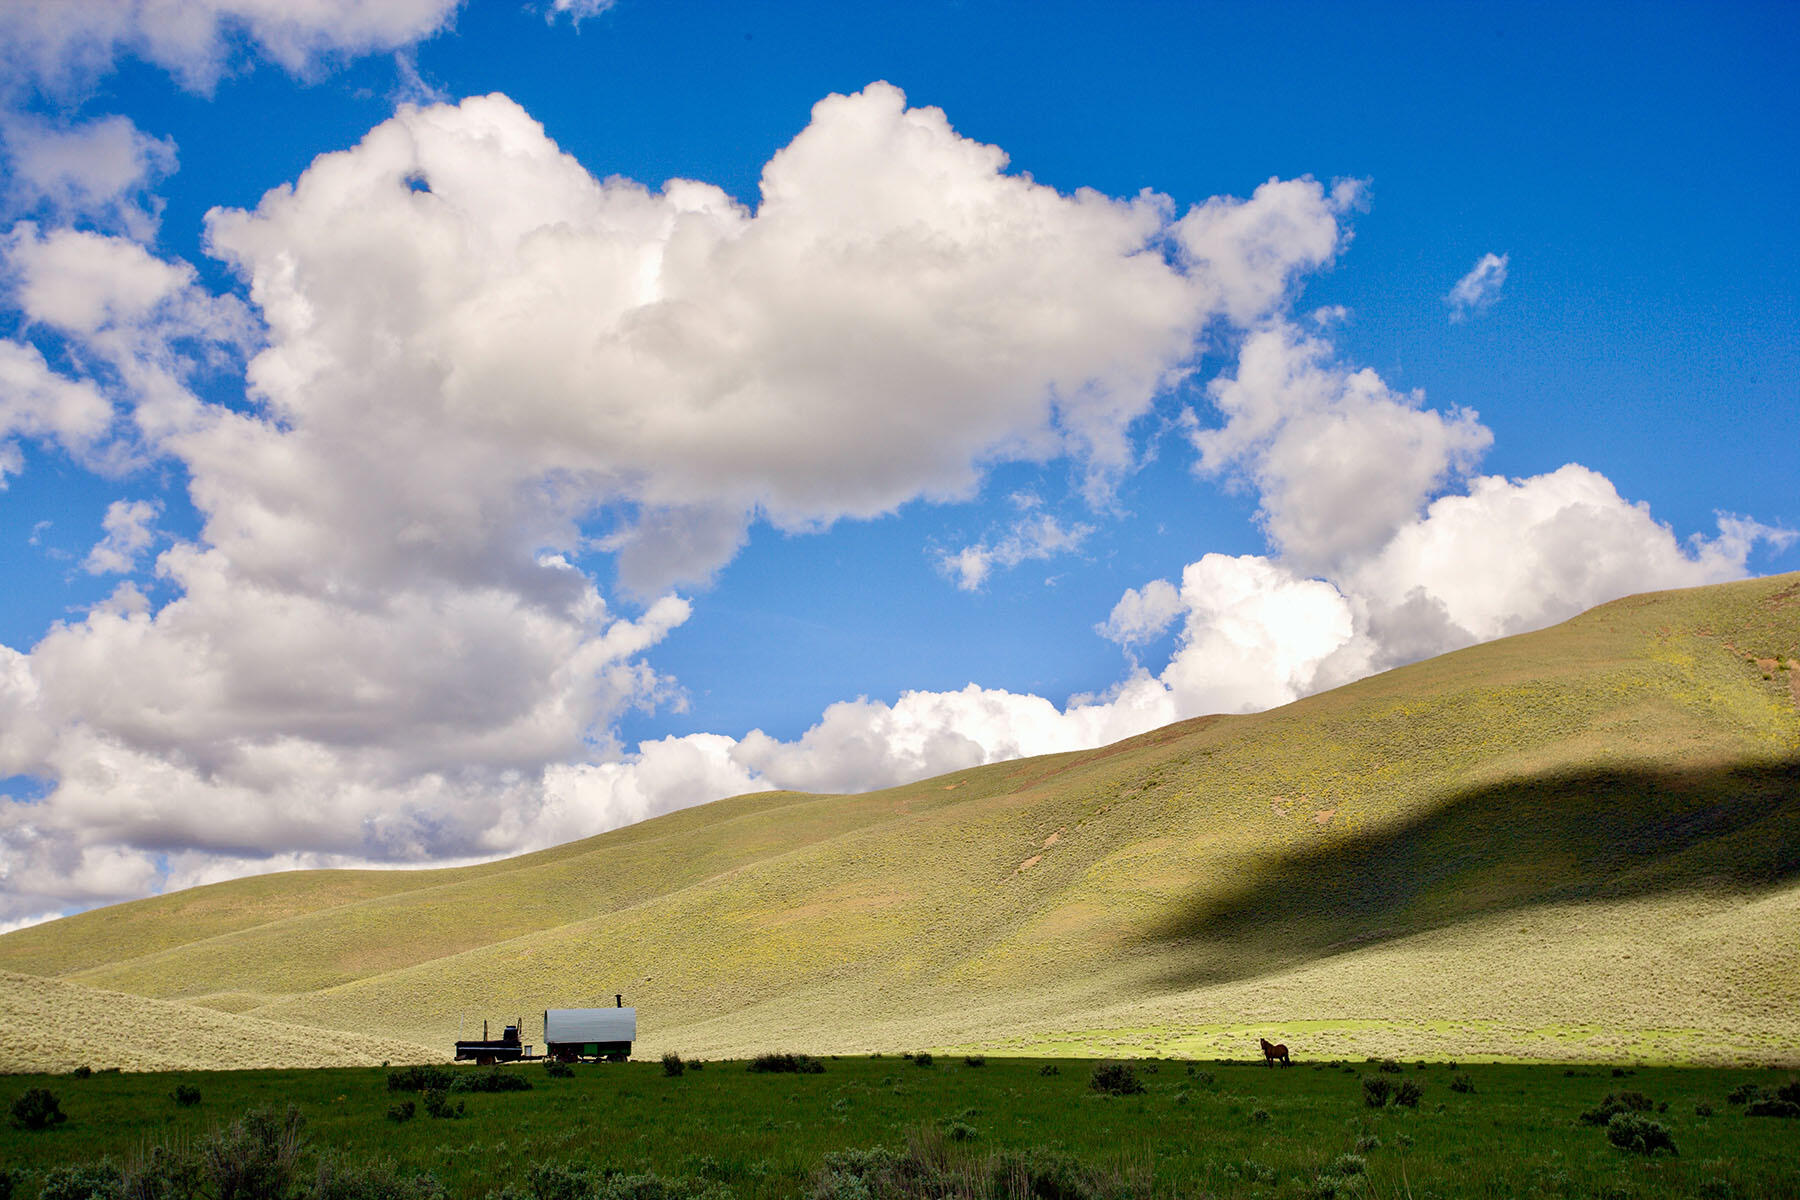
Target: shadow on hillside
[{"x": 1592, "y": 835}]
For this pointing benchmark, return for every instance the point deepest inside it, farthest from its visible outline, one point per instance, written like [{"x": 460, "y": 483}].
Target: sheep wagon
[{"x": 598, "y": 1033}]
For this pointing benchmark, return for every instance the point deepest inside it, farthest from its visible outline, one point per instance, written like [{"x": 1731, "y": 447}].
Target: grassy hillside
[
  {"x": 1578, "y": 842},
  {"x": 53, "y": 1025}
]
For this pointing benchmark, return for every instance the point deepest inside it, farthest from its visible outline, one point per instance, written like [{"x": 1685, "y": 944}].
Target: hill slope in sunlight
[
  {"x": 1580, "y": 842},
  {"x": 54, "y": 1025}
]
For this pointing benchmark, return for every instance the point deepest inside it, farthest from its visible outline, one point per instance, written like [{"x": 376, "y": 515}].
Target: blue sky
[{"x": 463, "y": 497}]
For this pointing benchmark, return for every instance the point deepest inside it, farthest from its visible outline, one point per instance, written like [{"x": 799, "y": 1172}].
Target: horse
[{"x": 1273, "y": 1052}]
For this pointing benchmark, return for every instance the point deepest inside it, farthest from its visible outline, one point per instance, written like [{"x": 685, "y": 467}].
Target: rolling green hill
[{"x": 1581, "y": 842}]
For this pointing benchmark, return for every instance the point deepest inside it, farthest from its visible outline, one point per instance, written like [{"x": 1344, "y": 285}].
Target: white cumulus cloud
[
  {"x": 36, "y": 402},
  {"x": 1339, "y": 459}
]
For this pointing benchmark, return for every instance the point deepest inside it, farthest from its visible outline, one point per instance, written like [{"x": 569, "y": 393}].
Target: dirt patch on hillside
[
  {"x": 1787, "y": 595},
  {"x": 1033, "y": 861}
]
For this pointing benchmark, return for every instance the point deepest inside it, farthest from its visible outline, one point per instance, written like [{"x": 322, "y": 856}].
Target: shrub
[
  {"x": 403, "y": 1111},
  {"x": 975, "y": 1060},
  {"x": 437, "y": 1104},
  {"x": 1743, "y": 1093},
  {"x": 1049, "y": 1069},
  {"x": 1613, "y": 1105},
  {"x": 1367, "y": 1142},
  {"x": 428, "y": 1078},
  {"x": 1703, "y": 1109},
  {"x": 1249, "y": 1171},
  {"x": 1390, "y": 1067},
  {"x": 559, "y": 1070},
  {"x": 923, "y": 1059},
  {"x": 82, "y": 1181},
  {"x": 82, "y": 1072},
  {"x": 1462, "y": 1083},
  {"x": 185, "y": 1094},
  {"x": 493, "y": 1080},
  {"x": 1259, "y": 1115},
  {"x": 253, "y": 1157},
  {"x": 1376, "y": 1091},
  {"x": 7, "y": 1184},
  {"x": 380, "y": 1179},
  {"x": 1115, "y": 1079},
  {"x": 961, "y": 1131},
  {"x": 1772, "y": 1108},
  {"x": 855, "y": 1173},
  {"x": 163, "y": 1173},
  {"x": 787, "y": 1064},
  {"x": 925, "y": 1168},
  {"x": 37, "y": 1108},
  {"x": 699, "y": 1064},
  {"x": 1348, "y": 1164},
  {"x": 1042, "y": 1172},
  {"x": 650, "y": 1186},
  {"x": 1408, "y": 1094},
  {"x": 1639, "y": 1134},
  {"x": 672, "y": 1064},
  {"x": 560, "y": 1181}
]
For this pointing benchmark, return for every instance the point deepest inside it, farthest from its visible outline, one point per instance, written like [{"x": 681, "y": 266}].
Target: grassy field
[
  {"x": 1197, "y": 1129},
  {"x": 1579, "y": 844}
]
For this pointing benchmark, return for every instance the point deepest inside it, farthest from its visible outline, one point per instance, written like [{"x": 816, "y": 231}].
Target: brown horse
[{"x": 1273, "y": 1052}]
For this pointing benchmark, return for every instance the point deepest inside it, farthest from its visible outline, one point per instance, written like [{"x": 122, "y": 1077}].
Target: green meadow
[{"x": 1196, "y": 1129}]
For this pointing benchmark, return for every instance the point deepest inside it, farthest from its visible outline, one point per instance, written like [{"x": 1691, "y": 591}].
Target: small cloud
[
  {"x": 1478, "y": 289},
  {"x": 412, "y": 87},
  {"x": 1143, "y": 615},
  {"x": 577, "y": 10},
  {"x": 101, "y": 171},
  {"x": 129, "y": 532},
  {"x": 1034, "y": 537}
]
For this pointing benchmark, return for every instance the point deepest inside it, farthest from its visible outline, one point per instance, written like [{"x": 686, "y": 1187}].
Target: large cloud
[
  {"x": 479, "y": 363},
  {"x": 898, "y": 312},
  {"x": 1385, "y": 549}
]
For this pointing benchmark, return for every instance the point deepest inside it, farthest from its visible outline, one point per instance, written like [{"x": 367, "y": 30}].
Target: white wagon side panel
[{"x": 570, "y": 1025}]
